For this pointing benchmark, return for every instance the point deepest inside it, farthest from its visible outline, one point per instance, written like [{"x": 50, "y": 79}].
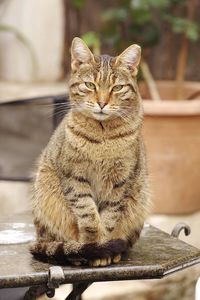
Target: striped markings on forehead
[
  {"x": 104, "y": 73},
  {"x": 109, "y": 73}
]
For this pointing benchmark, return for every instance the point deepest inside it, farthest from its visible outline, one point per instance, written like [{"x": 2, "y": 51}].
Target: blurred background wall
[
  {"x": 31, "y": 39},
  {"x": 35, "y": 36}
]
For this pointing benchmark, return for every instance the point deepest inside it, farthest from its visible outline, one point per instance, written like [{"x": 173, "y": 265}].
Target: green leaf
[
  {"x": 179, "y": 24},
  {"x": 78, "y": 3},
  {"x": 183, "y": 25},
  {"x": 192, "y": 32},
  {"x": 147, "y": 4},
  {"x": 141, "y": 16},
  {"x": 116, "y": 14},
  {"x": 90, "y": 38}
]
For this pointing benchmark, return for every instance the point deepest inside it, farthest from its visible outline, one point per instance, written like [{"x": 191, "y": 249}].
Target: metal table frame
[
  {"x": 56, "y": 275},
  {"x": 44, "y": 278}
]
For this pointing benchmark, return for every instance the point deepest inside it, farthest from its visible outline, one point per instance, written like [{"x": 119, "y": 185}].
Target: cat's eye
[
  {"x": 117, "y": 88},
  {"x": 90, "y": 85}
]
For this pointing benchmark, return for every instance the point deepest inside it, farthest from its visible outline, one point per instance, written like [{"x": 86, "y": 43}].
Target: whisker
[
  {"x": 53, "y": 104},
  {"x": 61, "y": 111},
  {"x": 57, "y": 114},
  {"x": 126, "y": 118}
]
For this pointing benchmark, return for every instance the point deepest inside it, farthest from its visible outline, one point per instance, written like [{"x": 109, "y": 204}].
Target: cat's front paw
[
  {"x": 100, "y": 262},
  {"x": 116, "y": 258},
  {"x": 103, "y": 262}
]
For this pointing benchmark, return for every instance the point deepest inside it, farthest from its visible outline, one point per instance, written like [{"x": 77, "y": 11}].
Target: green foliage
[
  {"x": 148, "y": 4},
  {"x": 182, "y": 25},
  {"x": 139, "y": 21},
  {"x": 115, "y": 14},
  {"x": 141, "y": 16},
  {"x": 78, "y": 4},
  {"x": 131, "y": 21},
  {"x": 92, "y": 40}
]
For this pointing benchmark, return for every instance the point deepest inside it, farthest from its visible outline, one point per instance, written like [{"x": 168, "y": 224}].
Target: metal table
[{"x": 155, "y": 255}]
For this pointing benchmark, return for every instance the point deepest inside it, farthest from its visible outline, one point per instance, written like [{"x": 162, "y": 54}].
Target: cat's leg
[
  {"x": 125, "y": 210},
  {"x": 131, "y": 220},
  {"x": 136, "y": 203},
  {"x": 78, "y": 194},
  {"x": 53, "y": 219},
  {"x": 134, "y": 210},
  {"x": 125, "y": 222},
  {"x": 110, "y": 212},
  {"x": 124, "y": 214},
  {"x": 50, "y": 209}
]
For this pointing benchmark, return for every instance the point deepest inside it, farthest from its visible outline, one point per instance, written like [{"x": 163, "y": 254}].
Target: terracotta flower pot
[{"x": 172, "y": 137}]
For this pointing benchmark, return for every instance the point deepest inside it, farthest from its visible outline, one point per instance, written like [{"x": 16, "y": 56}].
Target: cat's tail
[{"x": 71, "y": 250}]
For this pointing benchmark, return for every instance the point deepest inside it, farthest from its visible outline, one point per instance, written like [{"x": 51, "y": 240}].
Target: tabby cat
[{"x": 90, "y": 196}]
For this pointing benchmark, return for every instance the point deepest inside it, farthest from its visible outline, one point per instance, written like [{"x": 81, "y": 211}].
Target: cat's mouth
[{"x": 100, "y": 113}]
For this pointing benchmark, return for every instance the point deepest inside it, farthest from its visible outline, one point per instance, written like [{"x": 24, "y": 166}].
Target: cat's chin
[{"x": 100, "y": 116}]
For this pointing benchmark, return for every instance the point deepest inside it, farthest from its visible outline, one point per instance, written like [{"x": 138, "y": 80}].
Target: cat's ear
[
  {"x": 130, "y": 58},
  {"x": 80, "y": 53}
]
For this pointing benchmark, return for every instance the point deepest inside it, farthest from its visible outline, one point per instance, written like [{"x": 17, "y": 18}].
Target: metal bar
[
  {"x": 55, "y": 277},
  {"x": 178, "y": 228},
  {"x": 35, "y": 291}
]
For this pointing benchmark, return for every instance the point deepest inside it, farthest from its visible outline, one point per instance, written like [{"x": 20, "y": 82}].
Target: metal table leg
[
  {"x": 35, "y": 291},
  {"x": 78, "y": 289}
]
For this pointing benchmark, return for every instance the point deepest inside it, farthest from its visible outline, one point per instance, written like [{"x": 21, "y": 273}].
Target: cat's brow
[{"x": 105, "y": 69}]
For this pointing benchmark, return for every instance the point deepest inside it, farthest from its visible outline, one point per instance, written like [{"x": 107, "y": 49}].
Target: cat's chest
[
  {"x": 105, "y": 173},
  {"x": 102, "y": 148}
]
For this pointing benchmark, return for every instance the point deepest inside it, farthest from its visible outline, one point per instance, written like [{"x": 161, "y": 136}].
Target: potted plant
[{"x": 171, "y": 128}]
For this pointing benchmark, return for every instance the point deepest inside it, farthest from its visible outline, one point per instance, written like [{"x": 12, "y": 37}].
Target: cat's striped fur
[{"x": 90, "y": 195}]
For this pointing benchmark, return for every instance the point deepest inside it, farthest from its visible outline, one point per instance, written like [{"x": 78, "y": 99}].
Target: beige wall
[{"x": 40, "y": 21}]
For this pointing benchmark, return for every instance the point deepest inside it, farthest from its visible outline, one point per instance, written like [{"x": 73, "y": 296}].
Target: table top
[{"x": 155, "y": 255}]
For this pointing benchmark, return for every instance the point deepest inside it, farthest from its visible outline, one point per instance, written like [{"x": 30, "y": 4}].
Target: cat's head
[{"x": 104, "y": 87}]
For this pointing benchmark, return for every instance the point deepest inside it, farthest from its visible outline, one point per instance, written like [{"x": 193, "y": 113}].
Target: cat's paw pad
[
  {"x": 116, "y": 259},
  {"x": 100, "y": 262},
  {"x": 76, "y": 263}
]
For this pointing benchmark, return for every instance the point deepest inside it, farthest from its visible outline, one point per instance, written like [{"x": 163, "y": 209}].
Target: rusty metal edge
[
  {"x": 182, "y": 267},
  {"x": 88, "y": 274},
  {"x": 100, "y": 274}
]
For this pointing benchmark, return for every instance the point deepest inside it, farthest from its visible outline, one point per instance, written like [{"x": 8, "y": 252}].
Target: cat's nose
[{"x": 102, "y": 104}]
